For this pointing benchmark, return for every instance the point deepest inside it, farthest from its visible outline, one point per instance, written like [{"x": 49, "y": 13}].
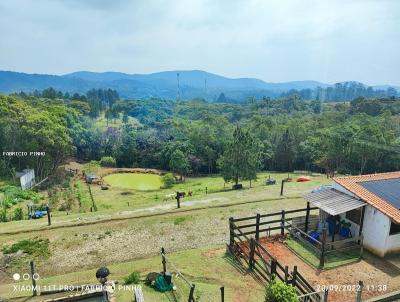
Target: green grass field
[{"x": 134, "y": 181}]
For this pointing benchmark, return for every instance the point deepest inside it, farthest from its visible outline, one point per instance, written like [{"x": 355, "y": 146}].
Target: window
[
  {"x": 354, "y": 215},
  {"x": 394, "y": 229}
]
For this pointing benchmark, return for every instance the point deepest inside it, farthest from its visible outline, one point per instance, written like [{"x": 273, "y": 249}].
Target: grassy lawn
[
  {"x": 332, "y": 259},
  {"x": 207, "y": 268},
  {"x": 135, "y": 181}
]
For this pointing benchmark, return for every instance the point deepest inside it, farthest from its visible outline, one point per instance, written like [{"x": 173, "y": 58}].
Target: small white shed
[{"x": 26, "y": 178}]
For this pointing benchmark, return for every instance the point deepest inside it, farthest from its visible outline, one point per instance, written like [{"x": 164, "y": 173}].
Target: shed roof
[{"x": 333, "y": 201}]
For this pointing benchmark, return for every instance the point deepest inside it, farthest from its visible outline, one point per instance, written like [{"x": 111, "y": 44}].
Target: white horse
[{"x": 169, "y": 196}]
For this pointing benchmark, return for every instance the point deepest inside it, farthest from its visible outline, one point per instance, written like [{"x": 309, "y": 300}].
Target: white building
[
  {"x": 27, "y": 178},
  {"x": 371, "y": 206}
]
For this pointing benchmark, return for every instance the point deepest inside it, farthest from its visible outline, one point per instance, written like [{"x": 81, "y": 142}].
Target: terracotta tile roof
[{"x": 352, "y": 184}]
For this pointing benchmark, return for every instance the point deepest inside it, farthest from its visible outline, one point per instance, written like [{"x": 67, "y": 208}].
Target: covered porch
[{"x": 335, "y": 229}]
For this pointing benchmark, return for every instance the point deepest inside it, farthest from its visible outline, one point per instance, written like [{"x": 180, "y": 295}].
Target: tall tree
[{"x": 242, "y": 157}]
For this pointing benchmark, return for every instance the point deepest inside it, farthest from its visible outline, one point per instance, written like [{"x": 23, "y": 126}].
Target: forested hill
[{"x": 192, "y": 84}]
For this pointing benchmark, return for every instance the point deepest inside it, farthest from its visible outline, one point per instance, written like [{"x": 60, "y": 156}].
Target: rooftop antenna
[{"x": 179, "y": 89}]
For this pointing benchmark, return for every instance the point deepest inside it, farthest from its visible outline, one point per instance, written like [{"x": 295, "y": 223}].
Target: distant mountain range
[{"x": 192, "y": 84}]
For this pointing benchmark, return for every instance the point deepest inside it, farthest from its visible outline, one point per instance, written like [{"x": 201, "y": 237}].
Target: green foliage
[
  {"x": 277, "y": 291},
  {"x": 3, "y": 215},
  {"x": 18, "y": 214},
  {"x": 168, "y": 180},
  {"x": 34, "y": 247},
  {"x": 242, "y": 157},
  {"x": 108, "y": 161},
  {"x": 14, "y": 195},
  {"x": 180, "y": 220},
  {"x": 91, "y": 167},
  {"x": 132, "y": 278},
  {"x": 179, "y": 163}
]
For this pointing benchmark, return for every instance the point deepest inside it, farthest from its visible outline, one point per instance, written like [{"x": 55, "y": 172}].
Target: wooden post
[
  {"x": 206, "y": 191},
  {"x": 307, "y": 218},
  {"x": 283, "y": 223},
  {"x": 361, "y": 241},
  {"x": 222, "y": 294},
  {"x": 361, "y": 222},
  {"x": 250, "y": 183},
  {"x": 359, "y": 290},
  {"x": 282, "y": 187},
  {"x": 164, "y": 262},
  {"x": 251, "y": 255},
  {"x": 294, "y": 280},
  {"x": 191, "y": 294},
  {"x": 322, "y": 257},
  {"x": 33, "y": 280},
  {"x": 48, "y": 215},
  {"x": 326, "y": 295},
  {"x": 286, "y": 274},
  {"x": 258, "y": 227},
  {"x": 231, "y": 234},
  {"x": 178, "y": 197},
  {"x": 273, "y": 267}
]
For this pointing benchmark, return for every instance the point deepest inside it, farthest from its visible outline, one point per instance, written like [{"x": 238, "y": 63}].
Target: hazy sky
[{"x": 276, "y": 41}]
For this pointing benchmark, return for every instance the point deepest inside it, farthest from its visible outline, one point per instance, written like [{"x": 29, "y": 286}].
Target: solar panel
[{"x": 387, "y": 189}]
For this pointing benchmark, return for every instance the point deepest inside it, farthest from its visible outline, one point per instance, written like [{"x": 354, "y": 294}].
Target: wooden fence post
[
  {"x": 48, "y": 215},
  {"x": 251, "y": 255},
  {"x": 359, "y": 290},
  {"x": 178, "y": 197},
  {"x": 322, "y": 257},
  {"x": 307, "y": 218},
  {"x": 282, "y": 187},
  {"x": 294, "y": 280},
  {"x": 273, "y": 267},
  {"x": 326, "y": 295},
  {"x": 258, "y": 227},
  {"x": 286, "y": 274},
  {"x": 222, "y": 294},
  {"x": 231, "y": 234},
  {"x": 164, "y": 262},
  {"x": 191, "y": 294},
  {"x": 33, "y": 280},
  {"x": 283, "y": 223}
]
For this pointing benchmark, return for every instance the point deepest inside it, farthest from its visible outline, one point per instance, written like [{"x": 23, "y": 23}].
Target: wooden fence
[
  {"x": 298, "y": 225},
  {"x": 257, "y": 258}
]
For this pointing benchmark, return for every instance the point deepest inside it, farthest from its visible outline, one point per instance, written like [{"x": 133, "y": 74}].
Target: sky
[{"x": 273, "y": 40}]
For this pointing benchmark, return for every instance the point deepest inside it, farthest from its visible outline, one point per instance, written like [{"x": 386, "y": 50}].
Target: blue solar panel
[{"x": 388, "y": 190}]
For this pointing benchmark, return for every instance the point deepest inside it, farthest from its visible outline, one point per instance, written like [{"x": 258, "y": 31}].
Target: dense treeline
[
  {"x": 340, "y": 92},
  {"x": 193, "y": 136}
]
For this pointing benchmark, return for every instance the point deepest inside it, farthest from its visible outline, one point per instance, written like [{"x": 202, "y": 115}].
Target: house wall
[
  {"x": 393, "y": 243},
  {"x": 376, "y": 231}
]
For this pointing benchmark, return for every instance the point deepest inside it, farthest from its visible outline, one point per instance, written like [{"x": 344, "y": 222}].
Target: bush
[
  {"x": 108, "y": 161},
  {"x": 18, "y": 214},
  {"x": 91, "y": 167},
  {"x": 34, "y": 247},
  {"x": 278, "y": 291},
  {"x": 3, "y": 215},
  {"x": 168, "y": 180},
  {"x": 132, "y": 278}
]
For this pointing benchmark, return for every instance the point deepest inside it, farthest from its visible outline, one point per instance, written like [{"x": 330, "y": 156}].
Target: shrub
[
  {"x": 34, "y": 247},
  {"x": 108, "y": 161},
  {"x": 92, "y": 167},
  {"x": 132, "y": 278},
  {"x": 18, "y": 214},
  {"x": 3, "y": 215},
  {"x": 168, "y": 180},
  {"x": 278, "y": 291}
]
